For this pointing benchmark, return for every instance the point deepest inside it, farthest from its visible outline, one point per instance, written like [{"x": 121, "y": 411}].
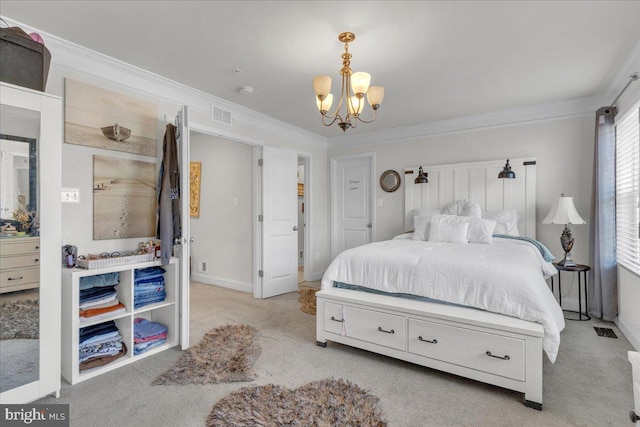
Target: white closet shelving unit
[{"x": 166, "y": 312}]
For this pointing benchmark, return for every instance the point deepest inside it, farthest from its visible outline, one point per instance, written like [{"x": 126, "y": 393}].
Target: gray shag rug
[
  {"x": 19, "y": 319},
  {"x": 326, "y": 402},
  {"x": 225, "y": 354}
]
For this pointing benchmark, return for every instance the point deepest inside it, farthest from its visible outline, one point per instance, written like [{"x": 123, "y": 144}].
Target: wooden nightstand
[{"x": 582, "y": 282}]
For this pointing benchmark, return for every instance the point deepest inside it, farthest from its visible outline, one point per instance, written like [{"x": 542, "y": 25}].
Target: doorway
[
  {"x": 261, "y": 270},
  {"x": 222, "y": 228}
]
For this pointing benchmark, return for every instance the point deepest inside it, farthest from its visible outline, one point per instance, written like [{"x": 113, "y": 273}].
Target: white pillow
[
  {"x": 423, "y": 212},
  {"x": 480, "y": 230},
  {"x": 463, "y": 208},
  {"x": 449, "y": 232},
  {"x": 507, "y": 221},
  {"x": 421, "y": 227}
]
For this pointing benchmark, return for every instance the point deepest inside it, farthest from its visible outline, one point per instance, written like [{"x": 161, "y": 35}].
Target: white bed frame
[{"x": 487, "y": 347}]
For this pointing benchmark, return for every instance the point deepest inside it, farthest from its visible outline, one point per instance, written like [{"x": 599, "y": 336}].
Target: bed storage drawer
[
  {"x": 483, "y": 351},
  {"x": 376, "y": 327},
  {"x": 333, "y": 317}
]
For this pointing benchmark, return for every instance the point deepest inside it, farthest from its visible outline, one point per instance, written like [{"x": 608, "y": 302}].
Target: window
[{"x": 628, "y": 189}]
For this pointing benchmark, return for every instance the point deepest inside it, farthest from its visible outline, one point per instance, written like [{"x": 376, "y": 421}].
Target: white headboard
[{"x": 477, "y": 182}]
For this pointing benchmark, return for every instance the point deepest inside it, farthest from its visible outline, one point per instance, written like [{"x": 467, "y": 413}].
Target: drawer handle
[
  {"x": 386, "y": 332},
  {"x": 505, "y": 357},
  {"x": 37, "y": 247},
  {"x": 435, "y": 341},
  {"x": 337, "y": 320},
  {"x": 15, "y": 278}
]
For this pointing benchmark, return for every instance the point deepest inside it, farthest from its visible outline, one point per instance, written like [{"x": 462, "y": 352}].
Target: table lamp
[{"x": 564, "y": 212}]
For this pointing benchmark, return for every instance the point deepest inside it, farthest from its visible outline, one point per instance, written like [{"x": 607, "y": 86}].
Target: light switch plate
[{"x": 70, "y": 195}]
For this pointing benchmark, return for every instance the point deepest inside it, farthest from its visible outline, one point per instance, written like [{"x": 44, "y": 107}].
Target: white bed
[{"x": 501, "y": 340}]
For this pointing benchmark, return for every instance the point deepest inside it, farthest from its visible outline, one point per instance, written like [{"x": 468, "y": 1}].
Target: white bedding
[{"x": 505, "y": 277}]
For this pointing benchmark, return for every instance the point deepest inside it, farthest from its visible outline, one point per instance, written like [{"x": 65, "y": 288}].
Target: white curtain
[{"x": 603, "y": 283}]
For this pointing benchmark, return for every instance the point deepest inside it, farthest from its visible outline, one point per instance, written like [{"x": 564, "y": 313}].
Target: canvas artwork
[
  {"x": 194, "y": 188},
  {"x": 124, "y": 198},
  {"x": 100, "y": 118}
]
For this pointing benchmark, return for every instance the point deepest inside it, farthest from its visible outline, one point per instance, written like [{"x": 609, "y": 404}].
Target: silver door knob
[
  {"x": 295, "y": 228},
  {"x": 191, "y": 240},
  {"x": 369, "y": 225}
]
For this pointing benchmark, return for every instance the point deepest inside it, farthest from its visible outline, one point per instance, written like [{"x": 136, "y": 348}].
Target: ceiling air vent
[{"x": 220, "y": 115}]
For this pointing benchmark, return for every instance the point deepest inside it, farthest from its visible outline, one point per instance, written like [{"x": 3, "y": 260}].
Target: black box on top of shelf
[{"x": 23, "y": 61}]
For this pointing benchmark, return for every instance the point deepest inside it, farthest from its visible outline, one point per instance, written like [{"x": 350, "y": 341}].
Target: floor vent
[
  {"x": 220, "y": 115},
  {"x": 605, "y": 332}
]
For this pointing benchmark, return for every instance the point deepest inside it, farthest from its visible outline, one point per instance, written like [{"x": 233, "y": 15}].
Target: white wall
[
  {"x": 629, "y": 300},
  {"x": 223, "y": 234},
  {"x": 564, "y": 152},
  {"x": 71, "y": 60}
]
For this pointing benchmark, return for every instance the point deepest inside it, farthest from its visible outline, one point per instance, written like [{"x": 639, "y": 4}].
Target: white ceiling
[{"x": 436, "y": 59}]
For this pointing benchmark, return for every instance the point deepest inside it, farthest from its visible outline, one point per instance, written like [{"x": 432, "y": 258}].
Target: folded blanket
[{"x": 546, "y": 253}]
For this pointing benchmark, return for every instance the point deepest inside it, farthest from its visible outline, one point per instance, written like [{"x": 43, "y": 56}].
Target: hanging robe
[{"x": 169, "y": 195}]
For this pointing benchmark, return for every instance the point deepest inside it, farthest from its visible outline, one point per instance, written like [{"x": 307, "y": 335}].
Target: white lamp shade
[
  {"x": 355, "y": 105},
  {"x": 375, "y": 95},
  {"x": 360, "y": 82},
  {"x": 322, "y": 85},
  {"x": 563, "y": 212},
  {"x": 326, "y": 104}
]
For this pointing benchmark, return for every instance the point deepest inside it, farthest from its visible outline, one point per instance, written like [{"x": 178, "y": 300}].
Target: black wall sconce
[
  {"x": 507, "y": 172},
  {"x": 422, "y": 177}
]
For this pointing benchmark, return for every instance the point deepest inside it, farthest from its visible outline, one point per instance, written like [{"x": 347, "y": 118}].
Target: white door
[
  {"x": 280, "y": 221},
  {"x": 351, "y": 202},
  {"x": 184, "y": 156}
]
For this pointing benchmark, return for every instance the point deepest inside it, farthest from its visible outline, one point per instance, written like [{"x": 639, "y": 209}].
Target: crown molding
[
  {"x": 629, "y": 66},
  {"x": 72, "y": 56},
  {"x": 541, "y": 112}
]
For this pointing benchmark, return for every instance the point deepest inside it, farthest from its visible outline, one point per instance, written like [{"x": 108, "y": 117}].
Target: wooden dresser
[{"x": 19, "y": 263}]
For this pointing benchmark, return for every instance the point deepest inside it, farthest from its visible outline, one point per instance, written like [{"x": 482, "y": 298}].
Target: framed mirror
[
  {"x": 390, "y": 181},
  {"x": 19, "y": 170},
  {"x": 30, "y": 234}
]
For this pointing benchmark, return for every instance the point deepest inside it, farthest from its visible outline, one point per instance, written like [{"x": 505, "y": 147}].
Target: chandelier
[{"x": 354, "y": 87}]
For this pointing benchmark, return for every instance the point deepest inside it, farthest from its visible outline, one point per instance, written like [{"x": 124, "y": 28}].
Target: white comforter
[{"x": 505, "y": 277}]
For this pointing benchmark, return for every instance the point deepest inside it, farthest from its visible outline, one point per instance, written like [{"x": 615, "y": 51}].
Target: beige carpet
[
  {"x": 225, "y": 354},
  {"x": 589, "y": 385},
  {"x": 320, "y": 403}
]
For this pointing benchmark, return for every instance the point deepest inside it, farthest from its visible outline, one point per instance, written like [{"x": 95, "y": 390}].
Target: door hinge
[
  {"x": 260, "y": 162},
  {"x": 260, "y": 218},
  {"x": 260, "y": 273}
]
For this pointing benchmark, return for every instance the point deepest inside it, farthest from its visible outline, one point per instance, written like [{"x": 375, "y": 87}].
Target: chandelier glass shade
[{"x": 355, "y": 86}]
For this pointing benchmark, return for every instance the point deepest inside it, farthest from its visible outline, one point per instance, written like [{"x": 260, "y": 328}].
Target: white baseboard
[
  {"x": 630, "y": 334},
  {"x": 220, "y": 281},
  {"x": 312, "y": 277}
]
